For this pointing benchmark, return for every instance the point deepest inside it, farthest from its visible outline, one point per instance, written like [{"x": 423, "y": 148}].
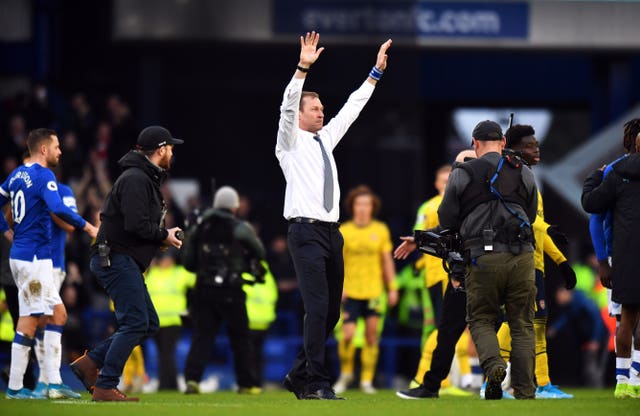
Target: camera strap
[{"x": 494, "y": 191}]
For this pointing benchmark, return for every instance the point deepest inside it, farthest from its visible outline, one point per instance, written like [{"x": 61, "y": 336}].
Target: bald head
[{"x": 469, "y": 153}]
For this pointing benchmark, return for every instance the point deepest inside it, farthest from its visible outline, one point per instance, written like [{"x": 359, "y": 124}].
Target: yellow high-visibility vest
[
  {"x": 6, "y": 323},
  {"x": 168, "y": 289},
  {"x": 261, "y": 301}
]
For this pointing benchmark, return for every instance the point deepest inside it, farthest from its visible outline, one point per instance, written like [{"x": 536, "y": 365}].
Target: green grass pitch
[{"x": 280, "y": 403}]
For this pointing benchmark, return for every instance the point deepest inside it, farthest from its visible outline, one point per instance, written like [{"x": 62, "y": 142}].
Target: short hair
[
  {"x": 631, "y": 131},
  {"x": 516, "y": 133},
  {"x": 361, "y": 190},
  {"x": 307, "y": 94},
  {"x": 37, "y": 137}
]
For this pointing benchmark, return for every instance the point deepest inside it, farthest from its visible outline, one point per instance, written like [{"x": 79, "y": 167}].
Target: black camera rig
[{"x": 448, "y": 246}]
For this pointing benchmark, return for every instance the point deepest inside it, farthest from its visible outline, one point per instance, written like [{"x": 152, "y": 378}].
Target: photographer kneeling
[
  {"x": 219, "y": 249},
  {"x": 491, "y": 201}
]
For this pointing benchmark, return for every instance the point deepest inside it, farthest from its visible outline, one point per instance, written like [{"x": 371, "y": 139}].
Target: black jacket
[
  {"x": 620, "y": 193},
  {"x": 133, "y": 213},
  {"x": 220, "y": 242}
]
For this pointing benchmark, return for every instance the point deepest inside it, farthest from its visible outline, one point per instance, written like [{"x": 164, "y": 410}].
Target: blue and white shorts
[{"x": 37, "y": 292}]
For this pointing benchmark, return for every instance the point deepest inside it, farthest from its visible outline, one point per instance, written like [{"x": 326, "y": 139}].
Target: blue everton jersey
[
  {"x": 33, "y": 192},
  {"x": 58, "y": 235}
]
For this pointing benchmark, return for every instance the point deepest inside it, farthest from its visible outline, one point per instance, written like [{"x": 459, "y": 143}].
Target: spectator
[
  {"x": 103, "y": 143},
  {"x": 123, "y": 130},
  {"x": 8, "y": 165},
  {"x": 17, "y": 143},
  {"x": 580, "y": 316},
  {"x": 39, "y": 113},
  {"x": 74, "y": 157},
  {"x": 168, "y": 283},
  {"x": 83, "y": 119}
]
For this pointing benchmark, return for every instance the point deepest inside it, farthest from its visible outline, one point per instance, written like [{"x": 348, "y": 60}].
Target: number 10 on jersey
[{"x": 18, "y": 206}]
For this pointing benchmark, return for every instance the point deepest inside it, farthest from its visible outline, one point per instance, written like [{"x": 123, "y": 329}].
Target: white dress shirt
[{"x": 300, "y": 156}]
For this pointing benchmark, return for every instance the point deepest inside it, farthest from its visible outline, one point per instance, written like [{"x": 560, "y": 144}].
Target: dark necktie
[{"x": 328, "y": 177}]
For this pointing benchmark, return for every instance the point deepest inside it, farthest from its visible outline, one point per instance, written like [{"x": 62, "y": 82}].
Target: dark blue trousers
[
  {"x": 136, "y": 317},
  {"x": 316, "y": 250}
]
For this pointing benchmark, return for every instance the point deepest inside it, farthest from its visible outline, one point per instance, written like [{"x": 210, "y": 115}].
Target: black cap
[
  {"x": 153, "y": 137},
  {"x": 487, "y": 130}
]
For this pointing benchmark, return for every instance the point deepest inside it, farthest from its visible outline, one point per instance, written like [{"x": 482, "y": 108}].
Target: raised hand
[
  {"x": 381, "y": 61},
  {"x": 309, "y": 51}
]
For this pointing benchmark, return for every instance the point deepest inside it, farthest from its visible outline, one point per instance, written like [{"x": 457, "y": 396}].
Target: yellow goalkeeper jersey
[
  {"x": 363, "y": 249},
  {"x": 544, "y": 243},
  {"x": 428, "y": 218}
]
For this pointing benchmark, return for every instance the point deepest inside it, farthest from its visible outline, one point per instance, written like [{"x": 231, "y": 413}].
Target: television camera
[{"x": 448, "y": 246}]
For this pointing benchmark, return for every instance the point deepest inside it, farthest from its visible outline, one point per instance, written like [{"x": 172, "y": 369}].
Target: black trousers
[
  {"x": 257, "y": 342},
  {"x": 450, "y": 329},
  {"x": 166, "y": 339},
  {"x": 210, "y": 307},
  {"x": 316, "y": 250}
]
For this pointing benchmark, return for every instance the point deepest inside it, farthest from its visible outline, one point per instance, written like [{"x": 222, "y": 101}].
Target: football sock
[
  {"x": 476, "y": 371},
  {"x": 39, "y": 351},
  {"x": 542, "y": 359},
  {"x": 369, "y": 359},
  {"x": 504, "y": 340},
  {"x": 427, "y": 355},
  {"x": 53, "y": 352},
  {"x": 622, "y": 369},
  {"x": 19, "y": 359},
  {"x": 635, "y": 368},
  {"x": 346, "y": 352}
]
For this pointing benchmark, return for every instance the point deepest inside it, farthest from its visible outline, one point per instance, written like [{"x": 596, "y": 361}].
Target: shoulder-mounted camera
[{"x": 448, "y": 246}]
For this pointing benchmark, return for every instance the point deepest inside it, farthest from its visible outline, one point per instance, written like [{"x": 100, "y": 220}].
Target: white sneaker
[
  {"x": 343, "y": 383},
  {"x": 367, "y": 388},
  {"x": 62, "y": 391}
]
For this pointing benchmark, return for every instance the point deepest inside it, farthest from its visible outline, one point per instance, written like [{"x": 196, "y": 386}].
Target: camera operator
[
  {"x": 492, "y": 201},
  {"x": 219, "y": 249}
]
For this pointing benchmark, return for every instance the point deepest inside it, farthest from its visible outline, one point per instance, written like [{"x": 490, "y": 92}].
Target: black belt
[{"x": 305, "y": 220}]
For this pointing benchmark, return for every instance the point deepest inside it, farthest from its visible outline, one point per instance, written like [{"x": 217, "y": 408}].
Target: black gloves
[
  {"x": 568, "y": 274},
  {"x": 559, "y": 238}
]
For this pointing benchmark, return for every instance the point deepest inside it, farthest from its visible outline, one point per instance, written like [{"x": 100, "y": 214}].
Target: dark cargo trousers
[{"x": 498, "y": 279}]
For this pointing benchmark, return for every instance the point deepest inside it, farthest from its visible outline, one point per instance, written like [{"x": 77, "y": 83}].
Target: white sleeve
[
  {"x": 338, "y": 126},
  {"x": 288, "y": 124}
]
